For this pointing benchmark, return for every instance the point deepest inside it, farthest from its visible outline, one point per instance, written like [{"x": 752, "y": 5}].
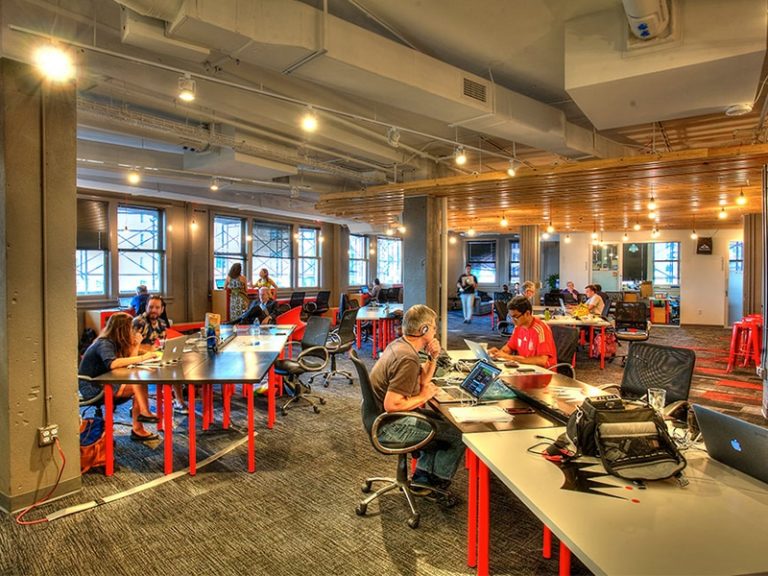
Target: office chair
[
  {"x": 293, "y": 317},
  {"x": 313, "y": 358},
  {"x": 631, "y": 322},
  {"x": 655, "y": 366},
  {"x": 297, "y": 299},
  {"x": 341, "y": 340},
  {"x": 552, "y": 299},
  {"x": 374, "y": 417},
  {"x": 503, "y": 326},
  {"x": 320, "y": 304},
  {"x": 394, "y": 294},
  {"x": 566, "y": 341}
]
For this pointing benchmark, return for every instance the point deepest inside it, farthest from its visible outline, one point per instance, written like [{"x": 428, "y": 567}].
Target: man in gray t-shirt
[{"x": 401, "y": 384}]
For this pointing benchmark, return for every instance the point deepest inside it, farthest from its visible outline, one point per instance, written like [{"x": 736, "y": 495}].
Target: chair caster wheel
[
  {"x": 322, "y": 401},
  {"x": 284, "y": 412},
  {"x": 325, "y": 383},
  {"x": 316, "y": 409},
  {"x": 361, "y": 508},
  {"x": 413, "y": 521},
  {"x": 365, "y": 488}
]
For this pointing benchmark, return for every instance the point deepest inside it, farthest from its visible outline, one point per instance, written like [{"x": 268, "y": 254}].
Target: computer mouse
[{"x": 511, "y": 364}]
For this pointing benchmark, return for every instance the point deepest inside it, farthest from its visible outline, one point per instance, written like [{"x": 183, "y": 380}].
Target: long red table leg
[
  {"x": 472, "y": 509},
  {"x": 565, "y": 560},
  {"x": 483, "y": 518},
  {"x": 109, "y": 468},
  {"x": 251, "y": 443},
  {"x": 359, "y": 334},
  {"x": 374, "y": 334},
  {"x": 159, "y": 389},
  {"x": 226, "y": 394},
  {"x": 546, "y": 546},
  {"x": 271, "y": 393},
  {"x": 168, "y": 428},
  {"x": 602, "y": 347},
  {"x": 191, "y": 426}
]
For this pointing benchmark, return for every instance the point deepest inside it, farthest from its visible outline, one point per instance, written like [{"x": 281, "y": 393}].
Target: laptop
[
  {"x": 480, "y": 352},
  {"x": 364, "y": 290},
  {"x": 220, "y": 284},
  {"x": 172, "y": 353},
  {"x": 475, "y": 384},
  {"x": 124, "y": 302},
  {"x": 563, "y": 309},
  {"x": 734, "y": 442}
]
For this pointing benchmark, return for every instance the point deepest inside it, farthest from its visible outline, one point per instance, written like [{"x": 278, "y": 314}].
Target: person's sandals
[
  {"x": 147, "y": 418},
  {"x": 139, "y": 438}
]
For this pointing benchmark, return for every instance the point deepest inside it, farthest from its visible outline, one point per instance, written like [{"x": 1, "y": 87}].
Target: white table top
[
  {"x": 571, "y": 321},
  {"x": 716, "y": 525},
  {"x": 468, "y": 355},
  {"x": 378, "y": 312}
]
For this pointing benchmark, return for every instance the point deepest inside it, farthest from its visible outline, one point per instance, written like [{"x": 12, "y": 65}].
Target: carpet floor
[{"x": 295, "y": 515}]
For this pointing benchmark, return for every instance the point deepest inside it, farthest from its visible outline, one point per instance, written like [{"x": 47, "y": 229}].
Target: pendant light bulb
[
  {"x": 694, "y": 236},
  {"x": 722, "y": 215},
  {"x": 741, "y": 200},
  {"x": 133, "y": 177},
  {"x": 652, "y": 204},
  {"x": 594, "y": 235},
  {"x": 471, "y": 231},
  {"x": 54, "y": 63},
  {"x": 545, "y": 236},
  {"x": 636, "y": 227},
  {"x": 567, "y": 238},
  {"x": 459, "y": 156},
  {"x": 309, "y": 120},
  {"x": 504, "y": 222},
  {"x": 550, "y": 228},
  {"x": 511, "y": 170}
]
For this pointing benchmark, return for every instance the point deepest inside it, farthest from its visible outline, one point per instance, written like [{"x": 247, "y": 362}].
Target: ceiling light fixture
[
  {"x": 459, "y": 156},
  {"x": 653, "y": 215},
  {"x": 652, "y": 203},
  {"x": 452, "y": 240},
  {"x": 567, "y": 238},
  {"x": 741, "y": 200},
  {"x": 504, "y": 222},
  {"x": 186, "y": 88},
  {"x": 371, "y": 251},
  {"x": 594, "y": 233},
  {"x": 723, "y": 202},
  {"x": 655, "y": 232},
  {"x": 636, "y": 227},
  {"x": 625, "y": 238},
  {"x": 390, "y": 231},
  {"x": 738, "y": 109},
  {"x": 133, "y": 177},
  {"x": 393, "y": 137},
  {"x": 550, "y": 228},
  {"x": 248, "y": 238},
  {"x": 309, "y": 120},
  {"x": 471, "y": 231},
  {"x": 54, "y": 63},
  {"x": 511, "y": 170},
  {"x": 170, "y": 228},
  {"x": 722, "y": 214},
  {"x": 214, "y": 185},
  {"x": 321, "y": 238},
  {"x": 545, "y": 236},
  {"x": 694, "y": 236},
  {"x": 401, "y": 228},
  {"x": 193, "y": 224}
]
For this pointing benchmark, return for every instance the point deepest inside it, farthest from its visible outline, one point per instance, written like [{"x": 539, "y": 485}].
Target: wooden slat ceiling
[{"x": 612, "y": 194}]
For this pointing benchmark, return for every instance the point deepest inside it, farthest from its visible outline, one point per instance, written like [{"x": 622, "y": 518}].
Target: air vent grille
[{"x": 475, "y": 90}]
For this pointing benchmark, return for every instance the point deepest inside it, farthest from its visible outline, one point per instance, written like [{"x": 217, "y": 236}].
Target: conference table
[
  {"x": 382, "y": 319},
  {"x": 715, "y": 525},
  {"x": 244, "y": 358}
]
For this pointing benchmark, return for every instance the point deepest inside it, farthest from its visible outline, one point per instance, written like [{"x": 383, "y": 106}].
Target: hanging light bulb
[
  {"x": 741, "y": 200},
  {"x": 504, "y": 222},
  {"x": 459, "y": 156},
  {"x": 248, "y": 238},
  {"x": 694, "y": 236},
  {"x": 722, "y": 202},
  {"x": 625, "y": 238},
  {"x": 723, "y": 214},
  {"x": 452, "y": 240},
  {"x": 471, "y": 231},
  {"x": 170, "y": 228},
  {"x": 321, "y": 238},
  {"x": 595, "y": 241},
  {"x": 54, "y": 63},
  {"x": 401, "y": 229},
  {"x": 545, "y": 236},
  {"x": 390, "y": 231},
  {"x": 550, "y": 228},
  {"x": 653, "y": 215},
  {"x": 371, "y": 251},
  {"x": 186, "y": 88},
  {"x": 567, "y": 238},
  {"x": 133, "y": 177},
  {"x": 636, "y": 227},
  {"x": 594, "y": 234},
  {"x": 511, "y": 169},
  {"x": 655, "y": 233},
  {"x": 214, "y": 185},
  {"x": 652, "y": 203},
  {"x": 309, "y": 120},
  {"x": 193, "y": 224}
]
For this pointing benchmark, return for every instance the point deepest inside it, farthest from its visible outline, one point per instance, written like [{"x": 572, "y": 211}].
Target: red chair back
[{"x": 293, "y": 316}]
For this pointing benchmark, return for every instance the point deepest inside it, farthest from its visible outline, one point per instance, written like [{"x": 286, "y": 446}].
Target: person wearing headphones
[{"x": 402, "y": 384}]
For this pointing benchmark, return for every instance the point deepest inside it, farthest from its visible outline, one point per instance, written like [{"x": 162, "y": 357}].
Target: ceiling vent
[{"x": 475, "y": 90}]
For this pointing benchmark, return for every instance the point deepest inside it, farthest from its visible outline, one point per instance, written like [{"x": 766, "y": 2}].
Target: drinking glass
[{"x": 657, "y": 399}]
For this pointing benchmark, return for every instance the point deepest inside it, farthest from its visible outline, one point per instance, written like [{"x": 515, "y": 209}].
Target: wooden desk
[
  {"x": 715, "y": 525},
  {"x": 245, "y": 360}
]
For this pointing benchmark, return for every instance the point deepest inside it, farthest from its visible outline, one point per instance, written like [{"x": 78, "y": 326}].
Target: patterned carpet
[{"x": 295, "y": 515}]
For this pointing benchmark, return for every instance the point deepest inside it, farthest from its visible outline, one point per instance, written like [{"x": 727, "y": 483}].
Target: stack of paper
[{"x": 479, "y": 414}]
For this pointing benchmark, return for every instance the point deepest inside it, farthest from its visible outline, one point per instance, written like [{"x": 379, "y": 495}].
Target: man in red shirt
[{"x": 532, "y": 339}]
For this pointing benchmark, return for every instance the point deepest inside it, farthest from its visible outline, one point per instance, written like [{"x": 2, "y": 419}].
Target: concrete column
[
  {"x": 38, "y": 320},
  {"x": 421, "y": 252}
]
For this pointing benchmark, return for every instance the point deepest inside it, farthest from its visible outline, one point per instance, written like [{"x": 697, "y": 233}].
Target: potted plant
[{"x": 553, "y": 280}]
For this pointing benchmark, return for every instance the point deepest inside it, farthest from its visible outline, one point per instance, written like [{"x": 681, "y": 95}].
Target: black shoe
[
  {"x": 139, "y": 438},
  {"x": 150, "y": 418},
  {"x": 445, "y": 500}
]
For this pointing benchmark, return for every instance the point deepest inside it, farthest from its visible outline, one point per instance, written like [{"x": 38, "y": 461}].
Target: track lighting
[
  {"x": 186, "y": 88},
  {"x": 54, "y": 63},
  {"x": 309, "y": 120},
  {"x": 459, "y": 156}
]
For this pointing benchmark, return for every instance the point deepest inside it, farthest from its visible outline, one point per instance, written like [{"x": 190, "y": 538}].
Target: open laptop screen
[{"x": 480, "y": 379}]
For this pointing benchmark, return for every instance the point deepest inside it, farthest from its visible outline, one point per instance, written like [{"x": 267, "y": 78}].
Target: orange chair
[{"x": 293, "y": 316}]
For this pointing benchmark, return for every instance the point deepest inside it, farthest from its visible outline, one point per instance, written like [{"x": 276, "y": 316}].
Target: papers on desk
[{"x": 479, "y": 414}]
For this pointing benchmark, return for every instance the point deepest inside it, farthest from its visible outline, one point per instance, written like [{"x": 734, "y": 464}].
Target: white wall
[{"x": 703, "y": 279}]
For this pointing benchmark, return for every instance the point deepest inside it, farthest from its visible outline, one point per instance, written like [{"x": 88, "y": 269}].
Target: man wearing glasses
[{"x": 531, "y": 342}]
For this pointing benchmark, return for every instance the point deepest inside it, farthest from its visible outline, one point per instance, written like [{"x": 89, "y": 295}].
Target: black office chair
[
  {"x": 568, "y": 298},
  {"x": 393, "y": 295},
  {"x": 374, "y": 417},
  {"x": 552, "y": 299},
  {"x": 566, "y": 341},
  {"x": 297, "y": 299},
  {"x": 313, "y": 358},
  {"x": 631, "y": 322},
  {"x": 341, "y": 340},
  {"x": 320, "y": 304},
  {"x": 503, "y": 326},
  {"x": 655, "y": 366},
  {"x": 607, "y": 307}
]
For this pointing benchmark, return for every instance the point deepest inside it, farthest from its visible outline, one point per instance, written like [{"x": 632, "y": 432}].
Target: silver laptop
[
  {"x": 476, "y": 383},
  {"x": 480, "y": 352},
  {"x": 172, "y": 353},
  {"x": 734, "y": 442},
  {"x": 563, "y": 309}
]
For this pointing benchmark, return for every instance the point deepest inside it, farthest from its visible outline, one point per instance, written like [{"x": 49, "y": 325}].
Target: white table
[
  {"x": 382, "y": 322},
  {"x": 716, "y": 525},
  {"x": 590, "y": 322}
]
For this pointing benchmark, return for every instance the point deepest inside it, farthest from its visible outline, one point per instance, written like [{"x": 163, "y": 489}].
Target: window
[
  {"x": 309, "y": 257},
  {"x": 390, "y": 261},
  {"x": 228, "y": 245},
  {"x": 666, "y": 263},
  {"x": 272, "y": 250},
  {"x": 481, "y": 256},
  {"x": 92, "y": 248},
  {"x": 736, "y": 256},
  {"x": 514, "y": 260},
  {"x": 140, "y": 251},
  {"x": 358, "y": 260}
]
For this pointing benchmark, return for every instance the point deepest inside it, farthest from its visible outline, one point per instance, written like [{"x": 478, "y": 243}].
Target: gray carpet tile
[{"x": 295, "y": 515}]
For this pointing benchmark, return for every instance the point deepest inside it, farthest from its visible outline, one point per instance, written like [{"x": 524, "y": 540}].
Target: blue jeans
[
  {"x": 467, "y": 304},
  {"x": 442, "y": 460}
]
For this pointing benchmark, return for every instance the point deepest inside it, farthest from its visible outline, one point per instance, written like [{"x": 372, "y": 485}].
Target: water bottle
[
  {"x": 211, "y": 338},
  {"x": 547, "y": 314}
]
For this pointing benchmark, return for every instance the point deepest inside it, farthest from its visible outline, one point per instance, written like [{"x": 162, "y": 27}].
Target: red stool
[{"x": 746, "y": 341}]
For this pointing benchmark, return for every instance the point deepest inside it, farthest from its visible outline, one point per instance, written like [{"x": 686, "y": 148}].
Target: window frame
[
  {"x": 512, "y": 279},
  {"x": 739, "y": 246},
  {"x": 676, "y": 263},
  {"x": 257, "y": 259},
  {"x": 382, "y": 241},
  {"x": 365, "y": 260},
  {"x": 159, "y": 250},
  {"x": 472, "y": 263},
  {"x": 231, "y": 257},
  {"x": 317, "y": 258}
]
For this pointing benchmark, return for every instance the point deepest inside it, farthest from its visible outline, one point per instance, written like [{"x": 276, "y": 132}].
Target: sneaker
[
  {"x": 180, "y": 408},
  {"x": 263, "y": 389},
  {"x": 445, "y": 500},
  {"x": 424, "y": 486}
]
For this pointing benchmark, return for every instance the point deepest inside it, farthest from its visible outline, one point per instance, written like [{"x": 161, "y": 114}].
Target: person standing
[
  {"x": 402, "y": 384},
  {"x": 467, "y": 284},
  {"x": 238, "y": 295}
]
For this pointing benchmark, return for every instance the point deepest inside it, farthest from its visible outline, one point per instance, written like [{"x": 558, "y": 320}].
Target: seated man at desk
[
  {"x": 402, "y": 384},
  {"x": 595, "y": 302},
  {"x": 532, "y": 341},
  {"x": 262, "y": 310},
  {"x": 152, "y": 329}
]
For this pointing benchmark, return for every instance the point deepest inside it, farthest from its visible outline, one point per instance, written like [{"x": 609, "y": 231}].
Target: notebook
[
  {"x": 172, "y": 353},
  {"x": 734, "y": 442},
  {"x": 480, "y": 352},
  {"x": 476, "y": 383}
]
